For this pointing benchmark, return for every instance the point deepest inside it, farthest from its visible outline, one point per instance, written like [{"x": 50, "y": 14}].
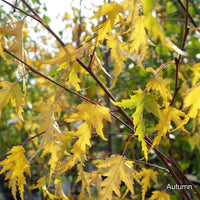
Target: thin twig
[
  {"x": 177, "y": 60},
  {"x": 189, "y": 15},
  {"x": 150, "y": 164},
  {"x": 170, "y": 146},
  {"x": 126, "y": 145}
]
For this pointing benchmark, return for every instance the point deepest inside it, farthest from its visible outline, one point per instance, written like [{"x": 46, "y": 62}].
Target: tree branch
[{"x": 49, "y": 79}]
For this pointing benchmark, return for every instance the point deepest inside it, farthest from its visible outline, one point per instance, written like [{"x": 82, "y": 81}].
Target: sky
[{"x": 56, "y": 10}]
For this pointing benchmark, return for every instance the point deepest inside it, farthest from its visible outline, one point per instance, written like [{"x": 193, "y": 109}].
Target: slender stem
[
  {"x": 31, "y": 138},
  {"x": 126, "y": 145},
  {"x": 171, "y": 147},
  {"x": 150, "y": 164},
  {"x": 40, "y": 20},
  {"x": 189, "y": 15}
]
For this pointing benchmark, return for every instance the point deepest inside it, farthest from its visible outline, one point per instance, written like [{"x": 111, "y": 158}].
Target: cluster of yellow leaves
[
  {"x": 140, "y": 102},
  {"x": 11, "y": 91},
  {"x": 16, "y": 164},
  {"x": 66, "y": 59},
  {"x": 116, "y": 170},
  {"x": 92, "y": 116}
]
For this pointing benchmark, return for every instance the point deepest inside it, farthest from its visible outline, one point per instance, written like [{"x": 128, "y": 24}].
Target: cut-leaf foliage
[
  {"x": 116, "y": 170},
  {"x": 49, "y": 125},
  {"x": 168, "y": 115},
  {"x": 16, "y": 164},
  {"x": 140, "y": 102},
  {"x": 111, "y": 10},
  {"x": 147, "y": 175},
  {"x": 15, "y": 28},
  {"x": 68, "y": 54},
  {"x": 192, "y": 101},
  {"x": 159, "y": 84},
  {"x": 93, "y": 116},
  {"x": 159, "y": 195},
  {"x": 11, "y": 91}
]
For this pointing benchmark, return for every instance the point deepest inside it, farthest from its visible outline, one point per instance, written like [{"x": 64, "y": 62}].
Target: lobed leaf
[{"x": 16, "y": 164}]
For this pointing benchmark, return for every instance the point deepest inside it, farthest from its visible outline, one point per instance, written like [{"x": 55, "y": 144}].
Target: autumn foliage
[{"x": 115, "y": 111}]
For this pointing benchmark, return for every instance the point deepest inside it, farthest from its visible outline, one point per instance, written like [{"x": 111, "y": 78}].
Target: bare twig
[{"x": 189, "y": 15}]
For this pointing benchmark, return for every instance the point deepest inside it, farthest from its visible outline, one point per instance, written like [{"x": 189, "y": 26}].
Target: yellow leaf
[
  {"x": 192, "y": 101},
  {"x": 147, "y": 175},
  {"x": 54, "y": 148},
  {"x": 74, "y": 79},
  {"x": 112, "y": 10},
  {"x": 159, "y": 84},
  {"x": 138, "y": 38},
  {"x": 16, "y": 164},
  {"x": 93, "y": 115},
  {"x": 85, "y": 179},
  {"x": 168, "y": 115},
  {"x": 159, "y": 195},
  {"x": 10, "y": 91},
  {"x": 79, "y": 148},
  {"x": 116, "y": 170},
  {"x": 59, "y": 194},
  {"x": 140, "y": 101},
  {"x": 69, "y": 53},
  {"x": 59, "y": 190},
  {"x": 1, "y": 50},
  {"x": 118, "y": 49},
  {"x": 194, "y": 141},
  {"x": 195, "y": 73},
  {"x": 15, "y": 28},
  {"x": 49, "y": 125}
]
